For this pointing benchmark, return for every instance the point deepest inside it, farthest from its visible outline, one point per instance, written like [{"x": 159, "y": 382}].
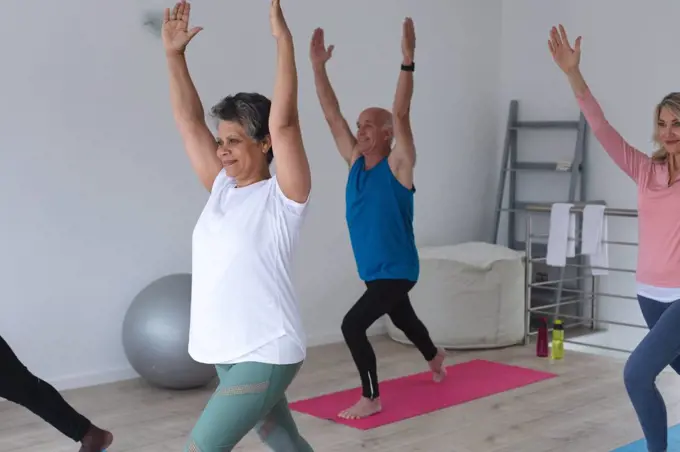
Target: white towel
[
  {"x": 561, "y": 238},
  {"x": 594, "y": 238}
]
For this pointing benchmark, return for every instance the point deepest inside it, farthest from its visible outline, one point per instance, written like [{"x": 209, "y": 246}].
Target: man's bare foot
[
  {"x": 96, "y": 440},
  {"x": 437, "y": 365},
  {"x": 363, "y": 408}
]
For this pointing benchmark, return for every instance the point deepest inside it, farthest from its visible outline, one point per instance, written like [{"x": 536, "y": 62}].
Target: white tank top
[{"x": 243, "y": 303}]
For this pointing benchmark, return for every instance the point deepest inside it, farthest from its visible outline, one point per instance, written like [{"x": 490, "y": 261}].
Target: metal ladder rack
[{"x": 512, "y": 165}]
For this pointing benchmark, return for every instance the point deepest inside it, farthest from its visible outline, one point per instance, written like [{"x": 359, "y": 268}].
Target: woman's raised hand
[
  {"x": 566, "y": 57},
  {"x": 176, "y": 33},
  {"x": 278, "y": 22}
]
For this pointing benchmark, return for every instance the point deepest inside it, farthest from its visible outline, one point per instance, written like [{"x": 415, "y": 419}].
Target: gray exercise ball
[{"x": 156, "y": 335}]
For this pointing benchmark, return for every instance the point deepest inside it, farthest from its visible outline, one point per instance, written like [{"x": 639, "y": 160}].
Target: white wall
[
  {"x": 98, "y": 199},
  {"x": 629, "y": 61}
]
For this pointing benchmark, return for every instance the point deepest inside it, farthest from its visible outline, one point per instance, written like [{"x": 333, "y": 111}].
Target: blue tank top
[{"x": 379, "y": 214}]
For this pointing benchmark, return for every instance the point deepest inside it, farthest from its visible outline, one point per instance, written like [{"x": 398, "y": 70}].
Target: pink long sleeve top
[{"x": 658, "y": 204}]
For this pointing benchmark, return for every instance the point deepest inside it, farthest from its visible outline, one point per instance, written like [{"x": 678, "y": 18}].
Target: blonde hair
[{"x": 672, "y": 102}]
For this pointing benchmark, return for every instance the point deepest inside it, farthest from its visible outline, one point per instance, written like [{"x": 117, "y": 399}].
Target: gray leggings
[
  {"x": 659, "y": 348},
  {"x": 250, "y": 396}
]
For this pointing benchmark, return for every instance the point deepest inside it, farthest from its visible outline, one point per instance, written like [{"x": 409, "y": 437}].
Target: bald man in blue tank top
[{"x": 379, "y": 215}]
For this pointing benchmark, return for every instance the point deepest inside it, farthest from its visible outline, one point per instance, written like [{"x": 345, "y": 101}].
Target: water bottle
[
  {"x": 558, "y": 340},
  {"x": 542, "y": 340}
]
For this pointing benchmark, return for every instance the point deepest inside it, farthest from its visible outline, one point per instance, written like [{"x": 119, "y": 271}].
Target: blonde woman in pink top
[{"x": 658, "y": 266}]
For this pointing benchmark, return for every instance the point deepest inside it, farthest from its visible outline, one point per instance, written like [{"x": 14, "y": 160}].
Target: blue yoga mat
[{"x": 641, "y": 445}]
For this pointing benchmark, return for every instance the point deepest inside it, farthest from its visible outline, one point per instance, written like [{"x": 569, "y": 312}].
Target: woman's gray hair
[{"x": 251, "y": 111}]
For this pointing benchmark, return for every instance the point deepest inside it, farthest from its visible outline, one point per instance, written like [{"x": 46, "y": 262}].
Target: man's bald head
[{"x": 379, "y": 115}]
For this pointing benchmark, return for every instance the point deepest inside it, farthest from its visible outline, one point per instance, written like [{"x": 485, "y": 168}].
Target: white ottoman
[{"x": 469, "y": 296}]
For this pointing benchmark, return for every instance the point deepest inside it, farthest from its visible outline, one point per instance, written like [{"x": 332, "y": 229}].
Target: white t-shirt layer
[
  {"x": 662, "y": 294},
  {"x": 243, "y": 303}
]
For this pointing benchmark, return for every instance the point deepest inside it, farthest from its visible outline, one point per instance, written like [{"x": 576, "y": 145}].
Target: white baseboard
[
  {"x": 127, "y": 373},
  {"x": 93, "y": 378},
  {"x": 90, "y": 379}
]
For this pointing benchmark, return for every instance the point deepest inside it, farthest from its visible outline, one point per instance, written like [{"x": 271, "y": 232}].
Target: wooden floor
[{"x": 584, "y": 410}]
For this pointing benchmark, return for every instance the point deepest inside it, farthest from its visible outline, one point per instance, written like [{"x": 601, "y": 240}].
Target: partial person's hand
[
  {"x": 318, "y": 52},
  {"x": 566, "y": 57},
  {"x": 408, "y": 41},
  {"x": 278, "y": 22},
  {"x": 176, "y": 34}
]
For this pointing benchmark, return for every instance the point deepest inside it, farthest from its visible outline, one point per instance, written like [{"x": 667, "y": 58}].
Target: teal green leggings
[{"x": 250, "y": 395}]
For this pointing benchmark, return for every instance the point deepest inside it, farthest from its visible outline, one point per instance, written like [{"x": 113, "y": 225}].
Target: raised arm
[
  {"x": 343, "y": 136},
  {"x": 199, "y": 142},
  {"x": 402, "y": 159},
  {"x": 626, "y": 157},
  {"x": 292, "y": 167}
]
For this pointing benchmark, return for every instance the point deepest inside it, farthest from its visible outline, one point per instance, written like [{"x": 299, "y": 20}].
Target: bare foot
[
  {"x": 437, "y": 365},
  {"x": 96, "y": 440},
  {"x": 363, "y": 408}
]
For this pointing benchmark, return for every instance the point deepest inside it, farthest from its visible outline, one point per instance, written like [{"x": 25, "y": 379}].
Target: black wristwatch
[{"x": 409, "y": 67}]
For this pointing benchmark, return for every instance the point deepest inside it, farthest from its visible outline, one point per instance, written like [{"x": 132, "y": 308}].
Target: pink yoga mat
[{"x": 414, "y": 395}]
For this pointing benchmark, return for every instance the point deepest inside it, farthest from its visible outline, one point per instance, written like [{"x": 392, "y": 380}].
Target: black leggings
[
  {"x": 19, "y": 385},
  {"x": 383, "y": 296}
]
